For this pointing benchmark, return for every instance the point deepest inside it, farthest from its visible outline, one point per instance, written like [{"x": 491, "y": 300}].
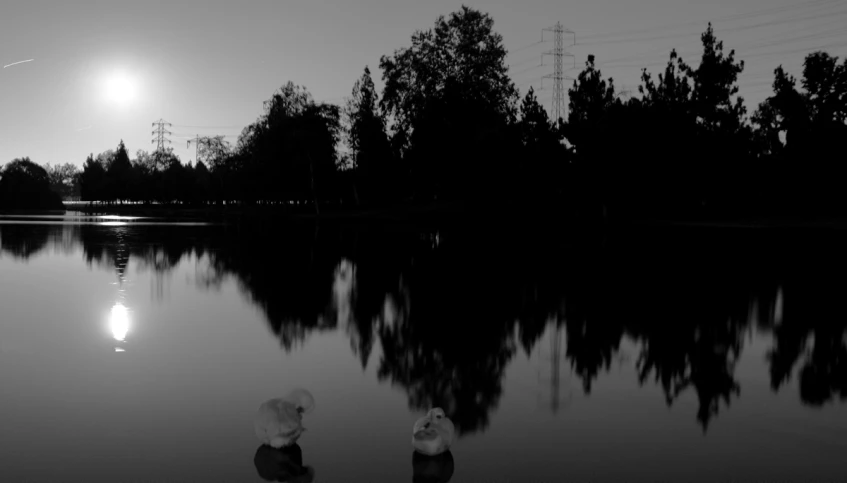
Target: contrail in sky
[{"x": 16, "y": 63}]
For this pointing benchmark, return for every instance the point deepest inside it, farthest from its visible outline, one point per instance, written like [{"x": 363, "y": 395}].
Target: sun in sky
[{"x": 120, "y": 88}]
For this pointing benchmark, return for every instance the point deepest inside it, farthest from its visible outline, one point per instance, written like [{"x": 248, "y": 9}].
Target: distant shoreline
[{"x": 440, "y": 212}]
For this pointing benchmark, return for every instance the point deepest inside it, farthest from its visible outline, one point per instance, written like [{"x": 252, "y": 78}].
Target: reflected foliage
[
  {"x": 24, "y": 241},
  {"x": 812, "y": 338},
  {"x": 449, "y": 317}
]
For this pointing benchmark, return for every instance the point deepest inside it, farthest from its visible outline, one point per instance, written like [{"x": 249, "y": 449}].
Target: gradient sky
[{"x": 207, "y": 66}]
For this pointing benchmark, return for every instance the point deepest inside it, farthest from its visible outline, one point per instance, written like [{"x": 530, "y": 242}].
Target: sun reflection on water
[{"x": 119, "y": 322}]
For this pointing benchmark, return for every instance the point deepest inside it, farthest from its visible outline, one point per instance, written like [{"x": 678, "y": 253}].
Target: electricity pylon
[
  {"x": 160, "y": 139},
  {"x": 559, "y": 105}
]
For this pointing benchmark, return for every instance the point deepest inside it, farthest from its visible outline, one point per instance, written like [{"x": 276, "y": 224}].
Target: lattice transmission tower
[
  {"x": 559, "y": 104},
  {"x": 159, "y": 139}
]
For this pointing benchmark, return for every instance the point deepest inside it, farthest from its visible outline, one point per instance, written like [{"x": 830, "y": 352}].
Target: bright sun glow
[
  {"x": 119, "y": 322},
  {"x": 120, "y": 88}
]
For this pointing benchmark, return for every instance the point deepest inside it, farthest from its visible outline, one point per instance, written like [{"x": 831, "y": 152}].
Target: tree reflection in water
[{"x": 451, "y": 308}]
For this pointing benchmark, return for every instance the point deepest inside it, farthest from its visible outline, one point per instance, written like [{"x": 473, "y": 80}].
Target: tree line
[{"x": 450, "y": 124}]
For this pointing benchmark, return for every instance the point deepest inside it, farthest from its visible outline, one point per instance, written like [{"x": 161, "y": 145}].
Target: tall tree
[
  {"x": 92, "y": 180},
  {"x": 591, "y": 100},
  {"x": 368, "y": 142},
  {"x": 119, "y": 175},
  {"x": 781, "y": 115},
  {"x": 591, "y": 97},
  {"x": 450, "y": 103},
  {"x": 290, "y": 152},
  {"x": 543, "y": 157},
  {"x": 825, "y": 82},
  {"x": 714, "y": 95},
  {"x": 672, "y": 94}
]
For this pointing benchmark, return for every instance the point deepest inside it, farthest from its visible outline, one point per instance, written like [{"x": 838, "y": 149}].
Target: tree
[
  {"x": 591, "y": 98},
  {"x": 64, "y": 179},
  {"x": 721, "y": 165},
  {"x": 119, "y": 175},
  {"x": 535, "y": 126},
  {"x": 825, "y": 83},
  {"x": 174, "y": 183},
  {"x": 543, "y": 156},
  {"x": 145, "y": 159},
  {"x": 214, "y": 151},
  {"x": 672, "y": 94},
  {"x": 451, "y": 104},
  {"x": 714, "y": 85},
  {"x": 588, "y": 129},
  {"x": 26, "y": 185},
  {"x": 367, "y": 139},
  {"x": 202, "y": 182},
  {"x": 799, "y": 131},
  {"x": 289, "y": 153},
  {"x": 92, "y": 180}
]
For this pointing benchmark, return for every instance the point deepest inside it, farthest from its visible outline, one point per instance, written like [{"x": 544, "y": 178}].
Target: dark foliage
[{"x": 26, "y": 185}]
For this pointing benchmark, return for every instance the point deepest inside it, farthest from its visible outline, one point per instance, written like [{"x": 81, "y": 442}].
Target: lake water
[{"x": 136, "y": 350}]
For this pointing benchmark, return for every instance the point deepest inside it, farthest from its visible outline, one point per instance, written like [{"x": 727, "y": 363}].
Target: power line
[
  {"x": 527, "y": 69},
  {"x": 769, "y": 23},
  {"x": 741, "y": 51},
  {"x": 517, "y": 64},
  {"x": 519, "y": 49},
  {"x": 727, "y": 18},
  {"x": 231, "y": 126}
]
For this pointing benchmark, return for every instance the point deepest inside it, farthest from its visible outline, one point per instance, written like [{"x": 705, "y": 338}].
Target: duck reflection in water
[
  {"x": 279, "y": 422},
  {"x": 433, "y": 433},
  {"x": 432, "y": 469},
  {"x": 283, "y": 464}
]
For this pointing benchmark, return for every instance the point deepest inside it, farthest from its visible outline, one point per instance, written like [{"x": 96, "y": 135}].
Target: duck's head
[{"x": 437, "y": 415}]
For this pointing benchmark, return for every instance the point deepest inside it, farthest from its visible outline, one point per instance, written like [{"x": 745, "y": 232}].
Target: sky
[{"x": 106, "y": 70}]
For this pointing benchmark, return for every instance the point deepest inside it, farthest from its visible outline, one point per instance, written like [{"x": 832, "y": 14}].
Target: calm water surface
[{"x": 136, "y": 350}]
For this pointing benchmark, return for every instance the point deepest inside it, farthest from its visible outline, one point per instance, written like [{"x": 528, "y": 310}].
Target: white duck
[
  {"x": 278, "y": 423},
  {"x": 433, "y": 433}
]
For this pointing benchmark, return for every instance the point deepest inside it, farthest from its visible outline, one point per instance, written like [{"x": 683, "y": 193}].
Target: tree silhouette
[
  {"x": 289, "y": 153},
  {"x": 26, "y": 185},
  {"x": 591, "y": 100},
  {"x": 376, "y": 169},
  {"x": 798, "y": 133},
  {"x": 450, "y": 103},
  {"x": 92, "y": 180},
  {"x": 544, "y": 156},
  {"x": 64, "y": 179}
]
